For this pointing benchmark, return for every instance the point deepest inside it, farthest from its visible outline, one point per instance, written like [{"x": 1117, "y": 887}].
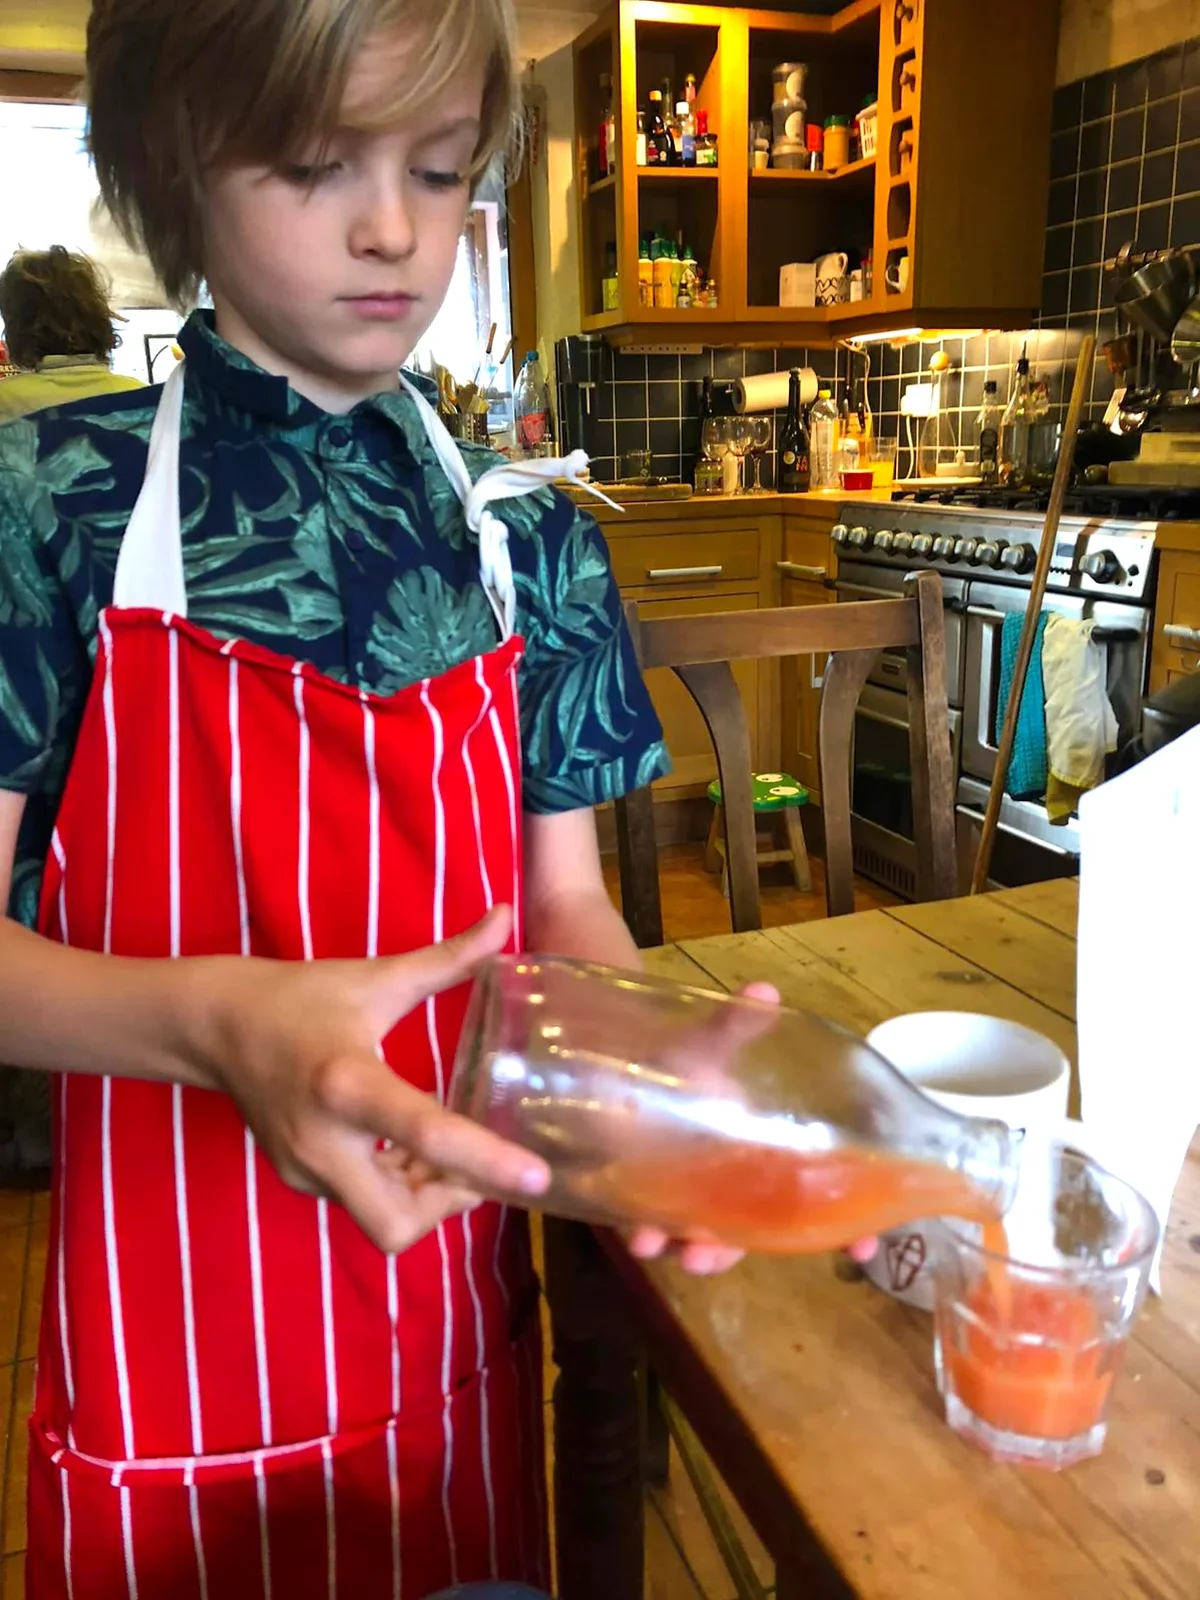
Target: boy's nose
[{"x": 385, "y": 227}]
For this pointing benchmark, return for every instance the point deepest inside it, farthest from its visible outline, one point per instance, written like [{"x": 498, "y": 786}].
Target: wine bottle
[{"x": 795, "y": 471}]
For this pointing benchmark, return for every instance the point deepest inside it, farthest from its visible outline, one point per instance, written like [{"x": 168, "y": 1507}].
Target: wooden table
[{"x": 814, "y": 1393}]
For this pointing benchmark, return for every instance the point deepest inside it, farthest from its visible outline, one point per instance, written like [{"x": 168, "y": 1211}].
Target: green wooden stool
[{"x": 778, "y": 798}]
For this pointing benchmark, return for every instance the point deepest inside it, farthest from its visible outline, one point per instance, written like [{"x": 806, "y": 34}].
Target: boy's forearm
[
  {"x": 586, "y": 927},
  {"x": 64, "y": 1010}
]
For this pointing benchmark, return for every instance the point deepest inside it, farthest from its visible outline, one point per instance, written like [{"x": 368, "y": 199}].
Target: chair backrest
[{"x": 700, "y": 649}]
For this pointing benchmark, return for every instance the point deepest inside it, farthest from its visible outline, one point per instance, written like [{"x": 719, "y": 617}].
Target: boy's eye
[
  {"x": 309, "y": 176},
  {"x": 441, "y": 180}
]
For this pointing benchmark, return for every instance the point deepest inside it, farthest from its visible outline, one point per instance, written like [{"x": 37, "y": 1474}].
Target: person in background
[{"x": 58, "y": 325}]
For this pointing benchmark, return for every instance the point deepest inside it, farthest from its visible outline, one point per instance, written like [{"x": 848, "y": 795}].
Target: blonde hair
[{"x": 176, "y": 90}]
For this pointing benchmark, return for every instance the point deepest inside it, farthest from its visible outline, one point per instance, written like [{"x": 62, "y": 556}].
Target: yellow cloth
[{"x": 58, "y": 381}]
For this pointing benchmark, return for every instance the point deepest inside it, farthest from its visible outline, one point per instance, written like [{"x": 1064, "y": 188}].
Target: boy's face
[{"x": 329, "y": 274}]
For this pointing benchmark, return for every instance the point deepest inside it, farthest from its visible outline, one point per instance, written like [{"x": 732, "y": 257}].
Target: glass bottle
[
  {"x": 689, "y": 90},
  {"x": 706, "y": 142},
  {"x": 658, "y": 143},
  {"x": 794, "y": 473},
  {"x": 603, "y": 167},
  {"x": 764, "y": 1128},
  {"x": 645, "y": 274},
  {"x": 706, "y": 411},
  {"x": 987, "y": 431},
  {"x": 675, "y": 134},
  {"x": 687, "y": 134},
  {"x": 610, "y": 285},
  {"x": 824, "y": 442},
  {"x": 1014, "y": 430},
  {"x": 531, "y": 410},
  {"x": 937, "y": 442},
  {"x": 641, "y": 150}
]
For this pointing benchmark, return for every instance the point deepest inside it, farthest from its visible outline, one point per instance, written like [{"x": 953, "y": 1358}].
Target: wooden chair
[{"x": 700, "y": 649}]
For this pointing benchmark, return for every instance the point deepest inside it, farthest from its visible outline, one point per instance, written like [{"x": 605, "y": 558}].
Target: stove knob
[
  {"x": 860, "y": 538},
  {"x": 1103, "y": 566},
  {"x": 986, "y": 554},
  {"x": 922, "y": 544},
  {"x": 965, "y": 549},
  {"x": 1019, "y": 558},
  {"x": 840, "y": 533},
  {"x": 882, "y": 541},
  {"x": 901, "y": 542},
  {"x": 944, "y": 546}
]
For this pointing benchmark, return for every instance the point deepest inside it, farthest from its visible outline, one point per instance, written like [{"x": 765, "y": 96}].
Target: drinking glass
[
  {"x": 715, "y": 438},
  {"x": 760, "y": 443},
  {"x": 710, "y": 1116},
  {"x": 1028, "y": 1338},
  {"x": 740, "y": 430}
]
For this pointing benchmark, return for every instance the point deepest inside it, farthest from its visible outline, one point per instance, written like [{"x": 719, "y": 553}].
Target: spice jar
[{"x": 837, "y": 143}]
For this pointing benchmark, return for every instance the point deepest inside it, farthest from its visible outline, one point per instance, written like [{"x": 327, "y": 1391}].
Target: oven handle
[
  {"x": 1101, "y": 634},
  {"x": 1005, "y": 827},
  {"x": 879, "y": 716}
]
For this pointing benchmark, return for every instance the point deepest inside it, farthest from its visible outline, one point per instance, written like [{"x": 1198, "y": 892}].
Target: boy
[{"x": 259, "y": 643}]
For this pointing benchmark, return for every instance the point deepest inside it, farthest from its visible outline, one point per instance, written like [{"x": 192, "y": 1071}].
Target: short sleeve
[
  {"x": 38, "y": 648},
  {"x": 590, "y": 732}
]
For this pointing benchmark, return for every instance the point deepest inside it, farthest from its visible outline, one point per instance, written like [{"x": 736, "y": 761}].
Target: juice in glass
[{"x": 1027, "y": 1349}]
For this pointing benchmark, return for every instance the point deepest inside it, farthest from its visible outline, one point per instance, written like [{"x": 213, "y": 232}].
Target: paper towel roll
[{"x": 769, "y": 392}]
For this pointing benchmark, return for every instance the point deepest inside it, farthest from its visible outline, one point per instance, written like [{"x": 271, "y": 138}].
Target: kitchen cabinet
[
  {"x": 952, "y": 207},
  {"x": 1176, "y": 649}
]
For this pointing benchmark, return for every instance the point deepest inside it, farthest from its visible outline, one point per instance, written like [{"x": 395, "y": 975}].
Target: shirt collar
[
  {"x": 57, "y": 363},
  {"x": 235, "y": 388}
]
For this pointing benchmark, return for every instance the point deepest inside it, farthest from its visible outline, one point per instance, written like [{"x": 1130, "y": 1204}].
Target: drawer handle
[
  {"x": 1176, "y": 633},
  {"x": 684, "y": 572},
  {"x": 797, "y": 569}
]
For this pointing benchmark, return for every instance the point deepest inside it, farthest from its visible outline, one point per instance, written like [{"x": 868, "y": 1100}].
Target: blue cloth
[
  {"x": 1027, "y": 772},
  {"x": 334, "y": 539}
]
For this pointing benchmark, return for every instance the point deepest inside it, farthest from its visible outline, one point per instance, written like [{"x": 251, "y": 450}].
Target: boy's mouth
[{"x": 382, "y": 307}]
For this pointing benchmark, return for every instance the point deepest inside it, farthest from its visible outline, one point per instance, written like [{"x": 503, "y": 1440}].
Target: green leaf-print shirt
[{"x": 335, "y": 539}]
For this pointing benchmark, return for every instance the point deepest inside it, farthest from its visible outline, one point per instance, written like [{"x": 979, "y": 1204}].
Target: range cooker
[{"x": 1102, "y": 568}]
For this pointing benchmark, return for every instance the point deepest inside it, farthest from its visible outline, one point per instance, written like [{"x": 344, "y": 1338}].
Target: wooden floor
[{"x": 683, "y": 1562}]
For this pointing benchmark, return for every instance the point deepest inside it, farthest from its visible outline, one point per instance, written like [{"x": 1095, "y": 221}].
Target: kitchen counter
[{"x": 717, "y": 508}]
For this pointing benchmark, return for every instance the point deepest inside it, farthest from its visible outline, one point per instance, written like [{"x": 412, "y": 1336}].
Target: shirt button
[
  {"x": 355, "y": 540},
  {"x": 339, "y": 436}
]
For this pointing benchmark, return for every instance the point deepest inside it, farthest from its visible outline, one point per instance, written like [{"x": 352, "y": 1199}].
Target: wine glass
[
  {"x": 714, "y": 437},
  {"x": 740, "y": 434},
  {"x": 760, "y": 443}
]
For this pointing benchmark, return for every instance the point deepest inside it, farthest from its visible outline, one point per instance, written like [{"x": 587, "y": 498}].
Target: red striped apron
[{"x": 238, "y": 1396}]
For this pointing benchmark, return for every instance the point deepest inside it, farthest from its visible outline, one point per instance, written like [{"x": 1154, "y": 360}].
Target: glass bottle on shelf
[
  {"x": 606, "y": 151},
  {"x": 706, "y": 142},
  {"x": 987, "y": 431},
  {"x": 645, "y": 274},
  {"x": 675, "y": 134},
  {"x": 689, "y": 91},
  {"x": 658, "y": 141},
  {"x": 641, "y": 154},
  {"x": 823, "y": 453},
  {"x": 687, "y": 134},
  {"x": 610, "y": 286}
]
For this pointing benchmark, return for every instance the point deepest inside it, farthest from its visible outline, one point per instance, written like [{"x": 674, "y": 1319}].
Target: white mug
[
  {"x": 897, "y": 275},
  {"x": 833, "y": 265},
  {"x": 976, "y": 1066}
]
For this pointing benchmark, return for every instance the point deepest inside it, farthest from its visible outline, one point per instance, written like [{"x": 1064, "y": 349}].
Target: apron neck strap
[{"x": 150, "y": 563}]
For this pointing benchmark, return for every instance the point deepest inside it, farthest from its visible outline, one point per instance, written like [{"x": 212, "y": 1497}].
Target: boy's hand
[{"x": 295, "y": 1045}]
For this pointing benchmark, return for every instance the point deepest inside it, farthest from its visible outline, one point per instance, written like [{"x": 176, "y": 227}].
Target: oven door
[
  {"x": 884, "y": 584},
  {"x": 1123, "y": 627},
  {"x": 882, "y": 819}
]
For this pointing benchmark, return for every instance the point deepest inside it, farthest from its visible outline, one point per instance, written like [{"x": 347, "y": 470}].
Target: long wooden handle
[{"x": 1037, "y": 593}]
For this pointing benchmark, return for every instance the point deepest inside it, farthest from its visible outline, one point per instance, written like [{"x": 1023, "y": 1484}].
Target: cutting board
[
  {"x": 630, "y": 493},
  {"x": 1156, "y": 474}
]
